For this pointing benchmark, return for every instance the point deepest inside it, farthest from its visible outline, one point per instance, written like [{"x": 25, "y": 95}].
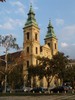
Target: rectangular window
[
  {"x": 36, "y": 50},
  {"x": 27, "y": 64},
  {"x": 27, "y": 35},
  {"x": 36, "y": 62},
  {"x": 41, "y": 49},
  {"x": 27, "y": 49},
  {"x": 49, "y": 44},
  {"x": 35, "y": 36},
  {"x": 55, "y": 45}
]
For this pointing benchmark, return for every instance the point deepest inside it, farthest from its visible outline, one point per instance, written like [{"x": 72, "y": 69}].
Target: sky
[{"x": 13, "y": 15}]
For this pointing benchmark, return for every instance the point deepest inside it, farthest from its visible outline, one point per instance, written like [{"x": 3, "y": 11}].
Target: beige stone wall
[
  {"x": 32, "y": 43},
  {"x": 46, "y": 51},
  {"x": 52, "y": 42}
]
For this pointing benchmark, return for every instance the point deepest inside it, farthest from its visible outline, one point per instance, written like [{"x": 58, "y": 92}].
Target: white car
[{"x": 27, "y": 89}]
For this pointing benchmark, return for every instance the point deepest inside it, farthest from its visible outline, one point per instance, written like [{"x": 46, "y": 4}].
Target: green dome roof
[
  {"x": 31, "y": 18},
  {"x": 50, "y": 32}
]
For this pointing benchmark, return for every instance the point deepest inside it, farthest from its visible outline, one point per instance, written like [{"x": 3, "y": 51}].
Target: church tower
[
  {"x": 31, "y": 44},
  {"x": 51, "y": 39}
]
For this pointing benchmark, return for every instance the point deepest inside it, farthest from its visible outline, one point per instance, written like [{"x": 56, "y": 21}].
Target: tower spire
[
  {"x": 31, "y": 9},
  {"x": 31, "y": 18},
  {"x": 50, "y": 32},
  {"x": 50, "y": 24}
]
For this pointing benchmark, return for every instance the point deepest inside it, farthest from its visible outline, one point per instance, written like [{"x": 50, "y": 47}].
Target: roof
[
  {"x": 50, "y": 32},
  {"x": 46, "y": 46},
  {"x": 10, "y": 58},
  {"x": 31, "y": 21}
]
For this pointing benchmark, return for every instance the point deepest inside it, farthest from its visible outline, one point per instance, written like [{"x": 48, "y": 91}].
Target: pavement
[{"x": 51, "y": 97}]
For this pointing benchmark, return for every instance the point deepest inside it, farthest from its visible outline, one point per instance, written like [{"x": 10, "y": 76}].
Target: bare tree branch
[
  {"x": 2, "y": 72},
  {"x": 2, "y": 0}
]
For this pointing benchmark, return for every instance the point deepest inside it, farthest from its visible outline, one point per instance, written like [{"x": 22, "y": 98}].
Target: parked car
[
  {"x": 46, "y": 90},
  {"x": 0, "y": 89},
  {"x": 67, "y": 88},
  {"x": 27, "y": 89},
  {"x": 59, "y": 89},
  {"x": 8, "y": 89},
  {"x": 37, "y": 90},
  {"x": 19, "y": 90}
]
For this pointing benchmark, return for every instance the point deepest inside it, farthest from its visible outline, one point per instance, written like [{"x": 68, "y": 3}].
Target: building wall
[
  {"x": 53, "y": 45},
  {"x": 32, "y": 42},
  {"x": 46, "y": 51},
  {"x": 31, "y": 56},
  {"x": 31, "y": 46}
]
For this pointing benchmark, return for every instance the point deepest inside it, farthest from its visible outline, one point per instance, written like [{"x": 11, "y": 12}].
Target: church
[{"x": 32, "y": 47}]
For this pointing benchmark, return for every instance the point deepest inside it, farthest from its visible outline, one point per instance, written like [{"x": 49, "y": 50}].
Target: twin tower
[{"x": 31, "y": 44}]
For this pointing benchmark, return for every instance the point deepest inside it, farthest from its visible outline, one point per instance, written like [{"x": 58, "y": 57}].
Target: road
[{"x": 51, "y": 97}]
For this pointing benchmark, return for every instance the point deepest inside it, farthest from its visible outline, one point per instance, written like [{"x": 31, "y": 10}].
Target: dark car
[
  {"x": 59, "y": 89},
  {"x": 67, "y": 88},
  {"x": 19, "y": 90},
  {"x": 8, "y": 89},
  {"x": 37, "y": 90},
  {"x": 0, "y": 89}
]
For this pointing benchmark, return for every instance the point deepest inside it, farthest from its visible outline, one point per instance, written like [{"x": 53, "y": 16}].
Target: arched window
[{"x": 27, "y": 35}]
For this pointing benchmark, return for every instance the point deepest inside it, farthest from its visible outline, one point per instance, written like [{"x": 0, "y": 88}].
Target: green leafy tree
[
  {"x": 15, "y": 78},
  {"x": 41, "y": 70},
  {"x": 33, "y": 71},
  {"x": 15, "y": 70},
  {"x": 46, "y": 70},
  {"x": 49, "y": 68},
  {"x": 70, "y": 75},
  {"x": 59, "y": 63}
]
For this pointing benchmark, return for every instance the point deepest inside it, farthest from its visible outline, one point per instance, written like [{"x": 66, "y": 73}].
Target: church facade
[{"x": 32, "y": 47}]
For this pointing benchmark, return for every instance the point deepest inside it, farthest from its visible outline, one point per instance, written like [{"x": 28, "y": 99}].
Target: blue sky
[{"x": 13, "y": 15}]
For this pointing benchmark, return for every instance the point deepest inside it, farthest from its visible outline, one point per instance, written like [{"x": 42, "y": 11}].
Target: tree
[
  {"x": 7, "y": 42},
  {"x": 59, "y": 63},
  {"x": 15, "y": 78},
  {"x": 41, "y": 70},
  {"x": 49, "y": 68},
  {"x": 15, "y": 69},
  {"x": 33, "y": 71},
  {"x": 46, "y": 69},
  {"x": 2, "y": 0},
  {"x": 70, "y": 75}
]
